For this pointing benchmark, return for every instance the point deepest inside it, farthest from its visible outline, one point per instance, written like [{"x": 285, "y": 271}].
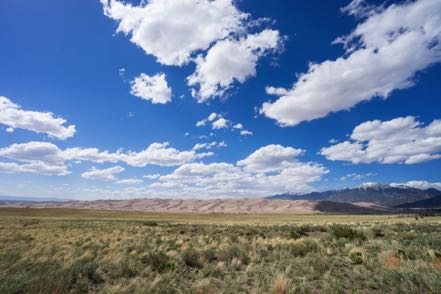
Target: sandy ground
[{"x": 252, "y": 206}]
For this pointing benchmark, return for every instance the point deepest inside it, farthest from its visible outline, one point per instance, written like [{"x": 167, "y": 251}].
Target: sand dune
[{"x": 210, "y": 206}]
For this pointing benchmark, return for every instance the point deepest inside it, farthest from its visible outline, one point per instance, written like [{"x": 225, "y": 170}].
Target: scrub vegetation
[{"x": 120, "y": 252}]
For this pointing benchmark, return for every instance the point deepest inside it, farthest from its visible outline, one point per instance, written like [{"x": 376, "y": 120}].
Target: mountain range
[
  {"x": 364, "y": 199},
  {"x": 396, "y": 196}
]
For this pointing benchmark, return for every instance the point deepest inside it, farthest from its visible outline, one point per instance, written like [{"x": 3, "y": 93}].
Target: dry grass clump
[
  {"x": 51, "y": 255},
  {"x": 281, "y": 285}
]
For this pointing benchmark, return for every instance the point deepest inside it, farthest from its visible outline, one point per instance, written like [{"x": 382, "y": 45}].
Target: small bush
[
  {"x": 210, "y": 255},
  {"x": 296, "y": 233},
  {"x": 235, "y": 251},
  {"x": 81, "y": 270},
  {"x": 191, "y": 258},
  {"x": 158, "y": 261},
  {"x": 303, "y": 247},
  {"x": 356, "y": 257},
  {"x": 377, "y": 232},
  {"x": 127, "y": 269},
  {"x": 345, "y": 231},
  {"x": 150, "y": 223}
]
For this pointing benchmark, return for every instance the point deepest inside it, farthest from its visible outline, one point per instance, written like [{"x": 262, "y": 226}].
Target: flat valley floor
[{"x": 91, "y": 251}]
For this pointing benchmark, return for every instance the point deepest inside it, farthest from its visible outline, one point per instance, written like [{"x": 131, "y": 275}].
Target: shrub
[
  {"x": 296, "y": 233},
  {"x": 377, "y": 232},
  {"x": 210, "y": 255},
  {"x": 356, "y": 257},
  {"x": 84, "y": 269},
  {"x": 126, "y": 268},
  {"x": 345, "y": 231},
  {"x": 158, "y": 261},
  {"x": 303, "y": 247},
  {"x": 280, "y": 285},
  {"x": 150, "y": 223},
  {"x": 235, "y": 251},
  {"x": 191, "y": 258}
]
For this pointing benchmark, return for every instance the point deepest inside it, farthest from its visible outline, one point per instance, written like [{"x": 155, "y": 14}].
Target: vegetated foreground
[{"x": 59, "y": 251}]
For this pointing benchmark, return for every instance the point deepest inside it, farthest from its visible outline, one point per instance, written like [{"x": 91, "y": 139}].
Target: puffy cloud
[
  {"x": 172, "y": 30},
  {"x": 242, "y": 131},
  {"x": 210, "y": 145},
  {"x": 419, "y": 185},
  {"x": 222, "y": 180},
  {"x": 384, "y": 53},
  {"x": 92, "y": 154},
  {"x": 276, "y": 91},
  {"x": 238, "y": 126},
  {"x": 163, "y": 155},
  {"x": 228, "y": 61},
  {"x": 271, "y": 158},
  {"x": 33, "y": 151},
  {"x": 45, "y": 156},
  {"x": 210, "y": 118},
  {"x": 260, "y": 174},
  {"x": 246, "y": 133},
  {"x": 130, "y": 182},
  {"x": 36, "y": 167},
  {"x": 153, "y": 88},
  {"x": 220, "y": 123},
  {"x": 401, "y": 140},
  {"x": 213, "y": 116},
  {"x": 201, "y": 123},
  {"x": 13, "y": 116},
  {"x": 107, "y": 174}
]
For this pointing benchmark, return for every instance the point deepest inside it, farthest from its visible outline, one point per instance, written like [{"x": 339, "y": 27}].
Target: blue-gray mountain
[{"x": 385, "y": 195}]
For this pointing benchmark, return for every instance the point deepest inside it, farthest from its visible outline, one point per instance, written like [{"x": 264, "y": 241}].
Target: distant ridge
[
  {"x": 379, "y": 194},
  {"x": 432, "y": 203}
]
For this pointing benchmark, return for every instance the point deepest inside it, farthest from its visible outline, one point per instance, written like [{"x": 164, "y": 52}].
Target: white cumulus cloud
[
  {"x": 400, "y": 140},
  {"x": 153, "y": 88},
  {"x": 50, "y": 159},
  {"x": 230, "y": 61},
  {"x": 261, "y": 174},
  {"x": 271, "y": 158},
  {"x": 172, "y": 30},
  {"x": 220, "y": 123},
  {"x": 209, "y": 145},
  {"x": 13, "y": 116},
  {"x": 384, "y": 53},
  {"x": 107, "y": 174}
]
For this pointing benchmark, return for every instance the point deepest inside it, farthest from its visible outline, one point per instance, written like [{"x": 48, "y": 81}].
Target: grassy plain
[{"x": 78, "y": 251}]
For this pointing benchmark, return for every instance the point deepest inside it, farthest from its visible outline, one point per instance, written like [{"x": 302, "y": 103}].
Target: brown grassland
[{"x": 80, "y": 251}]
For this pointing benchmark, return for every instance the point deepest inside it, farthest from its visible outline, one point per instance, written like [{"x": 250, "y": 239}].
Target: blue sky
[{"x": 284, "y": 97}]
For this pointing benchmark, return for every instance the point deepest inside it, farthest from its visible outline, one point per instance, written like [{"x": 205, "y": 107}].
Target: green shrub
[
  {"x": 81, "y": 270},
  {"x": 191, "y": 258},
  {"x": 297, "y": 232},
  {"x": 235, "y": 251},
  {"x": 210, "y": 255},
  {"x": 158, "y": 261},
  {"x": 356, "y": 257},
  {"x": 345, "y": 231},
  {"x": 150, "y": 223},
  {"x": 303, "y": 247},
  {"x": 377, "y": 232}
]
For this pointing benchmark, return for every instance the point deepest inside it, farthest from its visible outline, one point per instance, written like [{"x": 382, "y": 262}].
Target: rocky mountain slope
[{"x": 383, "y": 195}]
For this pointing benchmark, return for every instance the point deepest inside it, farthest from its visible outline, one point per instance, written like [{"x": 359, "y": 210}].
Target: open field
[{"x": 77, "y": 251}]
